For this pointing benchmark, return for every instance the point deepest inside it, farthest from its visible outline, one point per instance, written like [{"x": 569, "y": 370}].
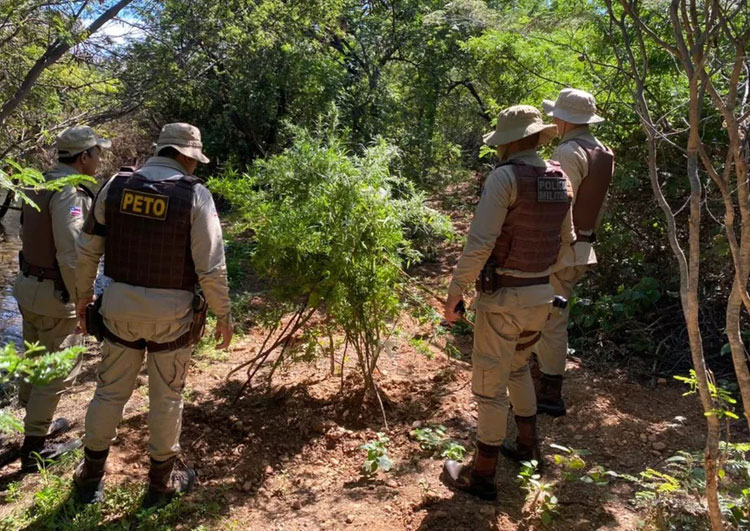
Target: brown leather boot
[
  {"x": 166, "y": 482},
  {"x": 549, "y": 398},
  {"x": 88, "y": 479},
  {"x": 526, "y": 445},
  {"x": 478, "y": 478}
]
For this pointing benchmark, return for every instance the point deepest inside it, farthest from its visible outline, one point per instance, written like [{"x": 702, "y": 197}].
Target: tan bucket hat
[
  {"x": 76, "y": 140},
  {"x": 574, "y": 106},
  {"x": 517, "y": 122},
  {"x": 185, "y": 138}
]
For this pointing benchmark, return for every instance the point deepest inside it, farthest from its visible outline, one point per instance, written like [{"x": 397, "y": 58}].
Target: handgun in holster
[
  {"x": 487, "y": 281},
  {"x": 94, "y": 319},
  {"x": 198, "y": 326}
]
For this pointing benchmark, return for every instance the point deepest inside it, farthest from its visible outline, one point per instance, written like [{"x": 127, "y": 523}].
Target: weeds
[
  {"x": 377, "y": 456},
  {"x": 432, "y": 440},
  {"x": 539, "y": 494}
]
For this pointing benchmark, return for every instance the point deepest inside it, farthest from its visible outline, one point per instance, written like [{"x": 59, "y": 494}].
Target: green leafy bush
[
  {"x": 35, "y": 366},
  {"x": 330, "y": 231}
]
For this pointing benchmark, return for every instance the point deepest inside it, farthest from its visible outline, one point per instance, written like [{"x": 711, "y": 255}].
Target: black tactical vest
[{"x": 148, "y": 232}]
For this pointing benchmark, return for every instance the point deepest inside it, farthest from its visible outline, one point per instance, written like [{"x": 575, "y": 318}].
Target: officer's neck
[
  {"x": 77, "y": 166},
  {"x": 574, "y": 130}
]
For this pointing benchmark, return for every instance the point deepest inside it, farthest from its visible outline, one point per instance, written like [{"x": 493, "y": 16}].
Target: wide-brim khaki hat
[
  {"x": 517, "y": 122},
  {"x": 183, "y": 137},
  {"x": 574, "y": 106},
  {"x": 76, "y": 140}
]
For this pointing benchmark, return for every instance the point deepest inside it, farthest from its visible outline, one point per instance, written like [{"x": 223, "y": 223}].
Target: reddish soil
[{"x": 290, "y": 457}]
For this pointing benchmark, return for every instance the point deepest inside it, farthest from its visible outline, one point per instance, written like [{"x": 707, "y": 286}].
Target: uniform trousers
[
  {"x": 40, "y": 401},
  {"x": 552, "y": 348},
  {"x": 499, "y": 370},
  {"x": 116, "y": 378}
]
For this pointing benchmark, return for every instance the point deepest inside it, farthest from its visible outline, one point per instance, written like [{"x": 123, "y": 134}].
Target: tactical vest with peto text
[
  {"x": 148, "y": 232},
  {"x": 531, "y": 234}
]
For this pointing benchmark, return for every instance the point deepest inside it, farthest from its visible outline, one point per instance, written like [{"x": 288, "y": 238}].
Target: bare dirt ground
[{"x": 290, "y": 457}]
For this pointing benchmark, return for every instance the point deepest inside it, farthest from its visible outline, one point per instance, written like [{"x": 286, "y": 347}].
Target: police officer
[
  {"x": 45, "y": 287},
  {"x": 160, "y": 236},
  {"x": 514, "y": 239},
  {"x": 589, "y": 164}
]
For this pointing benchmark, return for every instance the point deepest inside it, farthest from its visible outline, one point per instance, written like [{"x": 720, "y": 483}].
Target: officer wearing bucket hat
[
  {"x": 160, "y": 235},
  {"x": 45, "y": 287},
  {"x": 519, "y": 225},
  {"x": 589, "y": 164}
]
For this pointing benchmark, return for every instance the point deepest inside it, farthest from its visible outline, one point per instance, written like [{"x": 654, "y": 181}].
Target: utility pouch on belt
[
  {"x": 487, "y": 281},
  {"x": 198, "y": 326},
  {"x": 94, "y": 320}
]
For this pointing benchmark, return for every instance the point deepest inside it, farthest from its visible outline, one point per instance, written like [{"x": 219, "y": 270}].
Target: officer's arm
[
  {"x": 499, "y": 191},
  {"x": 572, "y": 158},
  {"x": 67, "y": 209},
  {"x": 90, "y": 246},
  {"x": 207, "y": 245}
]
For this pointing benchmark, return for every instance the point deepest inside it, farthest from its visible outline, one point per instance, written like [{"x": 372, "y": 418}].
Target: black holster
[
  {"x": 94, "y": 319},
  {"x": 488, "y": 279},
  {"x": 198, "y": 326}
]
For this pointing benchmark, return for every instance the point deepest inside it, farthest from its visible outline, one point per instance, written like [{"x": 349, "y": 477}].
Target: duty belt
[
  {"x": 41, "y": 273},
  {"x": 151, "y": 346},
  {"x": 507, "y": 281}
]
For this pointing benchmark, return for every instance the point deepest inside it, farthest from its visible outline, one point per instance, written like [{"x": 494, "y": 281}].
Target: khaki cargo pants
[
  {"x": 499, "y": 370},
  {"x": 116, "y": 379},
  {"x": 40, "y": 401},
  {"x": 552, "y": 349}
]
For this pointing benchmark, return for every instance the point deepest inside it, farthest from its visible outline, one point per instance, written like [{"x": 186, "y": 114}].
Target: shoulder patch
[{"x": 145, "y": 205}]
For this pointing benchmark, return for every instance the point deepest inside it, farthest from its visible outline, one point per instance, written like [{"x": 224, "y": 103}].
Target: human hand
[{"x": 223, "y": 333}]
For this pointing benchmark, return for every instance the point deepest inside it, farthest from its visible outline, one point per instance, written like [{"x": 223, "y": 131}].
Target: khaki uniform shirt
[
  {"x": 572, "y": 158},
  {"x": 125, "y": 302},
  {"x": 68, "y": 209},
  {"x": 499, "y": 193}
]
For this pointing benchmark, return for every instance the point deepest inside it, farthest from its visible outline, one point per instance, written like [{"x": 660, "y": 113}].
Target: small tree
[
  {"x": 329, "y": 234},
  {"x": 707, "y": 42}
]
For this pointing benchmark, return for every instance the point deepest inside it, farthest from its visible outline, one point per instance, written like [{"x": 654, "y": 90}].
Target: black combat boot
[
  {"x": 549, "y": 398},
  {"x": 88, "y": 479},
  {"x": 166, "y": 482},
  {"x": 526, "y": 445},
  {"x": 33, "y": 449},
  {"x": 478, "y": 478}
]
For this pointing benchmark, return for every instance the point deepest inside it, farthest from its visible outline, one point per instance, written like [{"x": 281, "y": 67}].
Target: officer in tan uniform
[
  {"x": 45, "y": 287},
  {"x": 160, "y": 236},
  {"x": 589, "y": 164},
  {"x": 519, "y": 225}
]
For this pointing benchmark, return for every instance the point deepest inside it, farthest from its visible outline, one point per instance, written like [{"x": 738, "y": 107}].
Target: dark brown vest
[
  {"x": 589, "y": 202},
  {"x": 148, "y": 232},
  {"x": 531, "y": 233},
  {"x": 38, "y": 242},
  {"x": 37, "y": 239}
]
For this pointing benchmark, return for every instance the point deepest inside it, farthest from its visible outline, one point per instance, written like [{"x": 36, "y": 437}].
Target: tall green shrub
[{"x": 330, "y": 234}]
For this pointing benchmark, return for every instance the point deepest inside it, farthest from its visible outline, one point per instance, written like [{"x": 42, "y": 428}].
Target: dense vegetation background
[
  {"x": 380, "y": 106},
  {"x": 428, "y": 77}
]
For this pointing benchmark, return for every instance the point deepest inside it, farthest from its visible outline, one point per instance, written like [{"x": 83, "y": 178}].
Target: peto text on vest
[{"x": 143, "y": 204}]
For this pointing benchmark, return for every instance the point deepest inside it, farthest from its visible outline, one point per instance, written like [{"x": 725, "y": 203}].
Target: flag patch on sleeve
[{"x": 75, "y": 212}]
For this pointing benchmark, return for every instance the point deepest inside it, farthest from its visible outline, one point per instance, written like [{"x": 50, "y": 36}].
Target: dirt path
[{"x": 291, "y": 458}]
